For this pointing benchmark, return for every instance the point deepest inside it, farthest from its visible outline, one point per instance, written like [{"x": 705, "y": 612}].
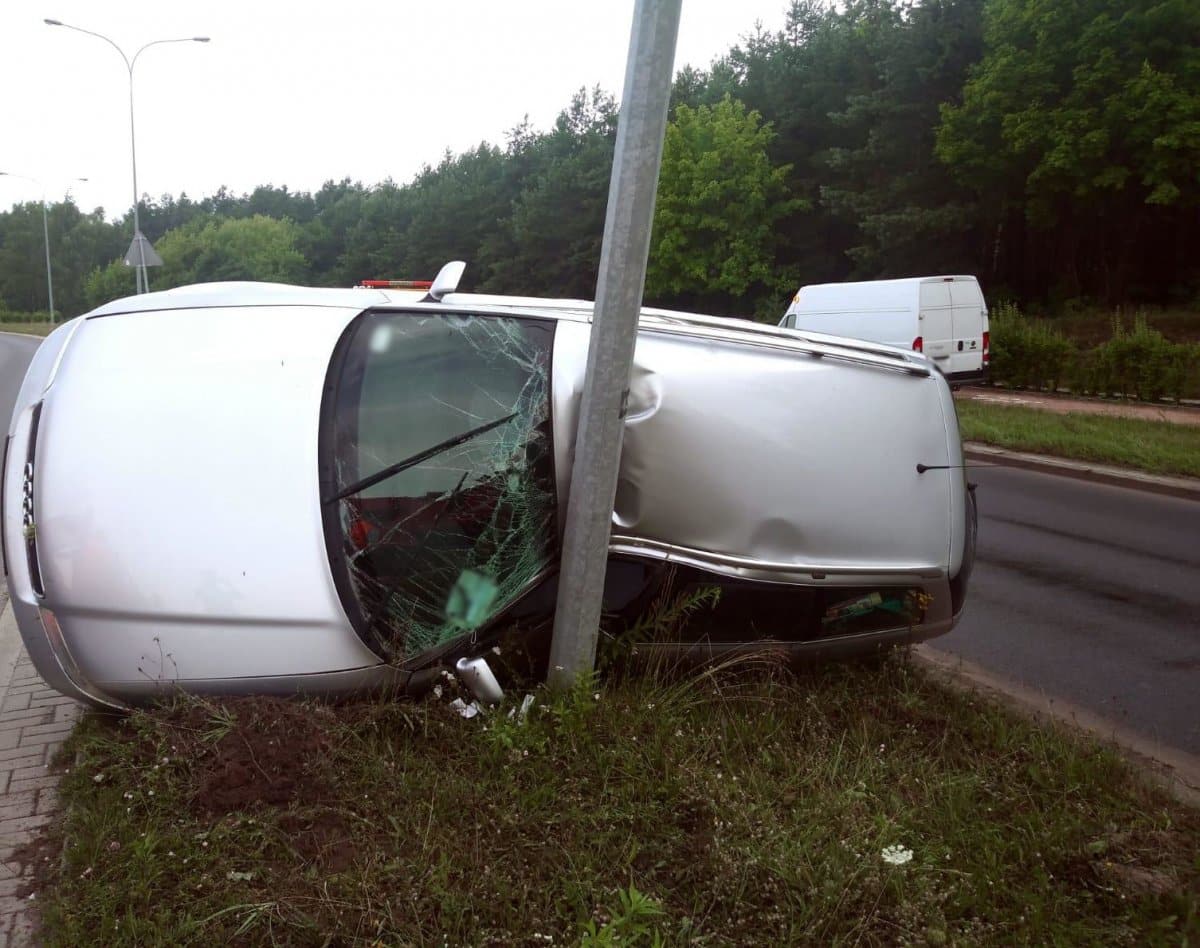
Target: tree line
[{"x": 1053, "y": 149}]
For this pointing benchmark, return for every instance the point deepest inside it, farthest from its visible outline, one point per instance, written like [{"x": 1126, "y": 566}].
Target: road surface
[
  {"x": 1087, "y": 592},
  {"x": 15, "y": 353}
]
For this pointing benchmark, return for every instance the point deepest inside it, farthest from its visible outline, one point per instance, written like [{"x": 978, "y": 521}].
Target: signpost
[{"x": 622, "y": 277}]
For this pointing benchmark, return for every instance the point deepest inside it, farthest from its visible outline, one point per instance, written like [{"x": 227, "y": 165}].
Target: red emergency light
[{"x": 396, "y": 284}]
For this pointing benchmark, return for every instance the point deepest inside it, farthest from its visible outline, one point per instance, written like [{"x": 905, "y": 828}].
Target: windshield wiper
[{"x": 416, "y": 459}]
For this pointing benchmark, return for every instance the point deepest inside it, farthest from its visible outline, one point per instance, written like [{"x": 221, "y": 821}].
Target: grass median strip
[
  {"x": 1158, "y": 447},
  {"x": 28, "y": 329},
  {"x": 853, "y": 803}
]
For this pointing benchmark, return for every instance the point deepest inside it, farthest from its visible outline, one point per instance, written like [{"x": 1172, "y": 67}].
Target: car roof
[{"x": 251, "y": 294}]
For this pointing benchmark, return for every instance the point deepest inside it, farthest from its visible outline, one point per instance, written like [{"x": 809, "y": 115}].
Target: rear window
[{"x": 437, "y": 459}]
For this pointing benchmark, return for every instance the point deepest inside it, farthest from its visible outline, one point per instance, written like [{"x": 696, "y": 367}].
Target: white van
[{"x": 943, "y": 316}]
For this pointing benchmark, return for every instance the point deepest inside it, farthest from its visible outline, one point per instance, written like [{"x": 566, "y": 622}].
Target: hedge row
[{"x": 1139, "y": 362}]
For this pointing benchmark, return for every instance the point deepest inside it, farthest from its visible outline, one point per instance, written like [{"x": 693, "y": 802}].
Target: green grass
[
  {"x": 1158, "y": 447},
  {"x": 33, "y": 329},
  {"x": 726, "y": 809}
]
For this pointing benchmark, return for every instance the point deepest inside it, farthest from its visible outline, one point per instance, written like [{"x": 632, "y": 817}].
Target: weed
[
  {"x": 633, "y": 921},
  {"x": 662, "y": 621}
]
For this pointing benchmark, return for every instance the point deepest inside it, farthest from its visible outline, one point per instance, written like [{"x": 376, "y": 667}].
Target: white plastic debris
[
  {"x": 466, "y": 710},
  {"x": 478, "y": 677}
]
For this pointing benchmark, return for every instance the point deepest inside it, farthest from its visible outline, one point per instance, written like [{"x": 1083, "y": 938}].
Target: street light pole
[
  {"x": 623, "y": 254},
  {"x": 143, "y": 282},
  {"x": 45, "y": 235}
]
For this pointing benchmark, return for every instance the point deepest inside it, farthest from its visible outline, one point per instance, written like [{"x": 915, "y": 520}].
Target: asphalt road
[
  {"x": 1087, "y": 592},
  {"x": 15, "y": 353}
]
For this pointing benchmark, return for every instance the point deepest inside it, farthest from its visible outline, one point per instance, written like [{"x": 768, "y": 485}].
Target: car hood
[{"x": 184, "y": 512}]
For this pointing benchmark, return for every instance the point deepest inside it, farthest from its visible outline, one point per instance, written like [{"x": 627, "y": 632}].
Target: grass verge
[
  {"x": 29, "y": 329},
  {"x": 1155, "y": 446},
  {"x": 864, "y": 804}
]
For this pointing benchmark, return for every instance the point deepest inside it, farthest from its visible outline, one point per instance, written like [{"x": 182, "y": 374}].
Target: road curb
[
  {"x": 1186, "y": 487},
  {"x": 1175, "y": 771},
  {"x": 23, "y": 335}
]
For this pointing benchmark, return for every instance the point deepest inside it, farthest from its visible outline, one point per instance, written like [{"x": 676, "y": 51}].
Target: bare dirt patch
[{"x": 257, "y": 752}]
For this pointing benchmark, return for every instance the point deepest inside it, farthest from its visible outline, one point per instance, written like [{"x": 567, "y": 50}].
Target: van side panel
[{"x": 894, "y": 327}]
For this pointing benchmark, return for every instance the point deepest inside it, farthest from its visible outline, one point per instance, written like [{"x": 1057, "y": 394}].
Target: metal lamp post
[
  {"x": 45, "y": 234},
  {"x": 139, "y": 241}
]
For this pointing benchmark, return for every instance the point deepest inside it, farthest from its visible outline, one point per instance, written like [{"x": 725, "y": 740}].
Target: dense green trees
[
  {"x": 212, "y": 249},
  {"x": 1080, "y": 131},
  {"x": 716, "y": 217},
  {"x": 1050, "y": 148}
]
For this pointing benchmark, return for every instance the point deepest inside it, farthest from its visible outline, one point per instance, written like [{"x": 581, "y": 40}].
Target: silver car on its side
[{"x": 236, "y": 488}]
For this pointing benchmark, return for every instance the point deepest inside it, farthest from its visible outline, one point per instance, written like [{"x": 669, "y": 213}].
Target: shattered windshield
[{"x": 442, "y": 496}]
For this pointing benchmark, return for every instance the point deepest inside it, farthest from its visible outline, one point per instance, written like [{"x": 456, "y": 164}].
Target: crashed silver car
[{"x": 234, "y": 488}]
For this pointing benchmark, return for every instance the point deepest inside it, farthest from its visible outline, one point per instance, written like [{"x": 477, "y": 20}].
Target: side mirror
[{"x": 446, "y": 281}]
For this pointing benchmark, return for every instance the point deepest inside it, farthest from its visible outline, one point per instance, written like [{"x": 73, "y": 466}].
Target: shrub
[
  {"x": 1027, "y": 353},
  {"x": 1142, "y": 363}
]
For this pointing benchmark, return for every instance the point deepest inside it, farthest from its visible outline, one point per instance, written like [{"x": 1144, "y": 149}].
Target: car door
[
  {"x": 968, "y": 323},
  {"x": 936, "y": 323}
]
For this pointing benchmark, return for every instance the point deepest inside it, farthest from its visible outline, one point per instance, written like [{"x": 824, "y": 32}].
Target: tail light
[
  {"x": 919, "y": 345},
  {"x": 987, "y": 347}
]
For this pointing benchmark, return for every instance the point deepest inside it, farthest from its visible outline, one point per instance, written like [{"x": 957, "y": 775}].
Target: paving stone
[
  {"x": 20, "y": 804},
  {"x": 26, "y": 749},
  {"x": 67, "y": 712},
  {"x": 47, "y": 800},
  {"x": 30, "y": 771},
  {"x": 32, "y": 783},
  {"x": 11, "y": 886},
  {"x": 31, "y": 765},
  {"x": 21, "y": 935},
  {"x": 34, "y": 721},
  {"x": 53, "y": 729},
  {"x": 22, "y": 827},
  {"x": 26, "y": 718}
]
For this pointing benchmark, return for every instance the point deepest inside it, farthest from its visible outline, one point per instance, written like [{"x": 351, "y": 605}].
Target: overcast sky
[{"x": 299, "y": 93}]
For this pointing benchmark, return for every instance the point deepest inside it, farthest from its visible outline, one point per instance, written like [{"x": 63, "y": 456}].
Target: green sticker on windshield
[{"x": 470, "y": 602}]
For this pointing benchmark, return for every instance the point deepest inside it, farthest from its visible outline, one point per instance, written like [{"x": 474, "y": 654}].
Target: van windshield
[{"x": 439, "y": 503}]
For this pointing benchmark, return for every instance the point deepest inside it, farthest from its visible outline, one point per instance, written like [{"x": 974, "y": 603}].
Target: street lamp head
[
  {"x": 200, "y": 39},
  {"x": 49, "y": 22}
]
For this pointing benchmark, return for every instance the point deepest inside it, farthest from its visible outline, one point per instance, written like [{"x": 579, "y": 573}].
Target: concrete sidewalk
[{"x": 34, "y": 721}]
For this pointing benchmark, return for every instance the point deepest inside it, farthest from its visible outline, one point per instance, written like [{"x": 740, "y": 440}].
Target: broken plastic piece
[{"x": 466, "y": 710}]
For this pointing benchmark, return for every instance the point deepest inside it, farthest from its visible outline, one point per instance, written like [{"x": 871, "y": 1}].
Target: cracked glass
[{"x": 443, "y": 474}]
